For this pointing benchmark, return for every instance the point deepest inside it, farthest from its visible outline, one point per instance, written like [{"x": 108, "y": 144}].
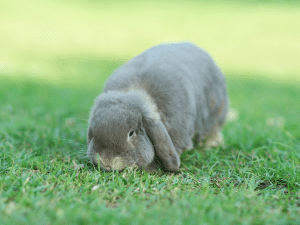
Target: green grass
[
  {"x": 54, "y": 58},
  {"x": 254, "y": 179},
  {"x": 243, "y": 36}
]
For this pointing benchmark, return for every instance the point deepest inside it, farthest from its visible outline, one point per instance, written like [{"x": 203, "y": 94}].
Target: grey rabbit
[{"x": 156, "y": 105}]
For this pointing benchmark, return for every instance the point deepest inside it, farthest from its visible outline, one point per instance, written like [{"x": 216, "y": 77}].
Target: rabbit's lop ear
[{"x": 162, "y": 143}]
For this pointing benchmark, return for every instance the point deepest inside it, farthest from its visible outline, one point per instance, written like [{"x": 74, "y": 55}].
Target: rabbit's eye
[{"x": 131, "y": 133}]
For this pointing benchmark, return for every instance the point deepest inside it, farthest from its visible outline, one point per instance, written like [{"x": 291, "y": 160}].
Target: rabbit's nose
[{"x": 118, "y": 163}]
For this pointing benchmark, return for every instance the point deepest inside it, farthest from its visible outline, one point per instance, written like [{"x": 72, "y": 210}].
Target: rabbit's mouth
[
  {"x": 117, "y": 163},
  {"x": 108, "y": 163}
]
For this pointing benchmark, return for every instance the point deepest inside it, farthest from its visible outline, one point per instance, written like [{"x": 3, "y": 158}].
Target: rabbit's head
[{"x": 125, "y": 130}]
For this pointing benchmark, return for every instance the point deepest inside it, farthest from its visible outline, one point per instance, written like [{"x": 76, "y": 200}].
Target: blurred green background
[{"x": 57, "y": 40}]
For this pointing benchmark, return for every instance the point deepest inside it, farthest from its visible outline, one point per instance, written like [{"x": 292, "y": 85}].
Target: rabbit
[{"x": 156, "y": 105}]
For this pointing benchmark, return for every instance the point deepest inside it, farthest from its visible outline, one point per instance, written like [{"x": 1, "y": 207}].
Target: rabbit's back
[{"x": 185, "y": 84}]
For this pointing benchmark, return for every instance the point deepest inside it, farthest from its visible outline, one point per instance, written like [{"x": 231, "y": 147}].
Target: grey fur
[{"x": 169, "y": 94}]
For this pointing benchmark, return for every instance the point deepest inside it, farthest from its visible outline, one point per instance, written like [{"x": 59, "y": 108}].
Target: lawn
[
  {"x": 54, "y": 60},
  {"x": 245, "y": 36},
  {"x": 45, "y": 178}
]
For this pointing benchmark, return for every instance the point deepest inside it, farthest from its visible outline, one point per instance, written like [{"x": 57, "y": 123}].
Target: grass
[
  {"x": 44, "y": 178},
  {"x": 54, "y": 58},
  {"x": 259, "y": 37}
]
